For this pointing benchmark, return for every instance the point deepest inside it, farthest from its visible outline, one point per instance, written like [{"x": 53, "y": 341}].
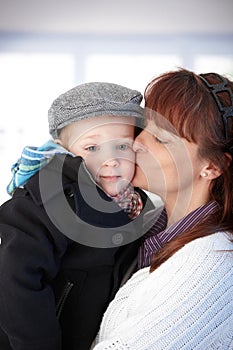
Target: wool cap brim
[{"x": 92, "y": 100}]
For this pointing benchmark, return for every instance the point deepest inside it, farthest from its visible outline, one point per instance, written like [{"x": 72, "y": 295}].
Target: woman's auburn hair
[{"x": 182, "y": 98}]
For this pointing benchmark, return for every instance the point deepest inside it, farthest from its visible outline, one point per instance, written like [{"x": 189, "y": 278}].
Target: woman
[{"x": 184, "y": 299}]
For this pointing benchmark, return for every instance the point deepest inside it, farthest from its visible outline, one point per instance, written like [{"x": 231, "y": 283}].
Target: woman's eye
[{"x": 159, "y": 141}]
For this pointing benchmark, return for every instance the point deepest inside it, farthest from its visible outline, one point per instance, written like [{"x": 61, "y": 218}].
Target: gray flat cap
[{"x": 91, "y": 100}]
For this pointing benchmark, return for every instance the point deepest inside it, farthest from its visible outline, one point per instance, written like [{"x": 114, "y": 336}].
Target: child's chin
[
  {"x": 112, "y": 192},
  {"x": 116, "y": 189}
]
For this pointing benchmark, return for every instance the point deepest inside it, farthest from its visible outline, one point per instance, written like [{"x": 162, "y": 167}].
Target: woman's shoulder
[
  {"x": 204, "y": 253},
  {"x": 201, "y": 256},
  {"x": 208, "y": 258},
  {"x": 218, "y": 245},
  {"x": 218, "y": 241},
  {"x": 203, "y": 263}
]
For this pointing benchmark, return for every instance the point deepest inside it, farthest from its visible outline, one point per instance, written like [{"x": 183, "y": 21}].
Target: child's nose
[{"x": 113, "y": 162}]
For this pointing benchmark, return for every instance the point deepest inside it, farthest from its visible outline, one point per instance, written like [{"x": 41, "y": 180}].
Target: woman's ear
[
  {"x": 211, "y": 171},
  {"x": 229, "y": 158}
]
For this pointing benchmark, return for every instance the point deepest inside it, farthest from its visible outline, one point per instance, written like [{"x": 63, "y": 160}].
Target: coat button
[{"x": 117, "y": 239}]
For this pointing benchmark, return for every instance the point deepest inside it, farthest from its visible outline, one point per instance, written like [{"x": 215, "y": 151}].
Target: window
[
  {"x": 133, "y": 71},
  {"x": 214, "y": 63},
  {"x": 29, "y": 83}
]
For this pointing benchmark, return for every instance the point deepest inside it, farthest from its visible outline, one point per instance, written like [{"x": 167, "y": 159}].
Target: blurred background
[{"x": 49, "y": 46}]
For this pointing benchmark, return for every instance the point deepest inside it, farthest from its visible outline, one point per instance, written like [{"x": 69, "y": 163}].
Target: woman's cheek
[{"x": 140, "y": 179}]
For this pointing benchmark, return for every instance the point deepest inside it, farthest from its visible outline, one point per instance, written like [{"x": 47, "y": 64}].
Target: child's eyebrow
[
  {"x": 91, "y": 136},
  {"x": 95, "y": 136},
  {"x": 126, "y": 137}
]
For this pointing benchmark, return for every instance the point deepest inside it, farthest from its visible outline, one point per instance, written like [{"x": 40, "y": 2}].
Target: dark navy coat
[{"x": 53, "y": 289}]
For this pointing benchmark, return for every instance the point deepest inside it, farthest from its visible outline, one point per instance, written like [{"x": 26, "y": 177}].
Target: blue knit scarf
[{"x": 31, "y": 161}]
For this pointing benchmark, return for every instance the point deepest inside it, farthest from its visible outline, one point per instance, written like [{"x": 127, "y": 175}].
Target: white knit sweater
[{"x": 187, "y": 303}]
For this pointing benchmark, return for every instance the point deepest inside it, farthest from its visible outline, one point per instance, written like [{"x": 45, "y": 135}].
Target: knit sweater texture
[{"x": 185, "y": 304}]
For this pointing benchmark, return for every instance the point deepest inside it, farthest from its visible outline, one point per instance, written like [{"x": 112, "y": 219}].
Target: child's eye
[
  {"x": 91, "y": 148},
  {"x": 122, "y": 147}
]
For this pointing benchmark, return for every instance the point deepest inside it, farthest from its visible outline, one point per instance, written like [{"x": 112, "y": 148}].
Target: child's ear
[{"x": 57, "y": 141}]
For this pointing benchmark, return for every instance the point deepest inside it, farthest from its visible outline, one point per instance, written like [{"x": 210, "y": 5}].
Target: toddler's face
[{"x": 106, "y": 144}]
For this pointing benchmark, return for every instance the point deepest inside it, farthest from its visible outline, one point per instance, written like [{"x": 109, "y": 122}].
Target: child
[{"x": 53, "y": 288}]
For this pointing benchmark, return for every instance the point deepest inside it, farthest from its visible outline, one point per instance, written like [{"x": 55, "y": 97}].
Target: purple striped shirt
[{"x": 159, "y": 234}]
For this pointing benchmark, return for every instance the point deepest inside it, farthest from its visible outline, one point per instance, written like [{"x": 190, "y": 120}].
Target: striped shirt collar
[{"x": 159, "y": 233}]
